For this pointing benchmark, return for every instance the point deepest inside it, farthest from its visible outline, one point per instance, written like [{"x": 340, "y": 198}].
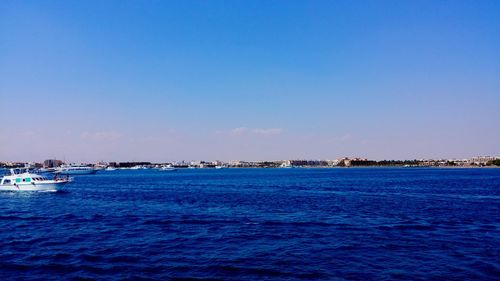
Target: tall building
[{"x": 52, "y": 163}]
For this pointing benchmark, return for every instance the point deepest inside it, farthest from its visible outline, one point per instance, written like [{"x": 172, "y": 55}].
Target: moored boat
[
  {"x": 75, "y": 170},
  {"x": 168, "y": 168},
  {"x": 137, "y": 167}
]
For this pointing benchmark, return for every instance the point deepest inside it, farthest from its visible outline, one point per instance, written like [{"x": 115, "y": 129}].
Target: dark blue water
[{"x": 258, "y": 224}]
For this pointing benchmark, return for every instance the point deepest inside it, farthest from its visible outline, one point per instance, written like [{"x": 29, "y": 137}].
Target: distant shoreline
[
  {"x": 334, "y": 167},
  {"x": 346, "y": 162}
]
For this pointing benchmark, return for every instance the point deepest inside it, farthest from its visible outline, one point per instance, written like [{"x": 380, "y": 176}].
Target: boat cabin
[{"x": 20, "y": 176}]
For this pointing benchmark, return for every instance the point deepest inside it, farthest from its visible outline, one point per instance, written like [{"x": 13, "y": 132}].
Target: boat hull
[
  {"x": 76, "y": 172},
  {"x": 49, "y": 186},
  {"x": 168, "y": 169}
]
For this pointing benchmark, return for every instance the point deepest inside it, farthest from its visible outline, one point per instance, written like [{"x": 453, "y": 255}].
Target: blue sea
[{"x": 257, "y": 224}]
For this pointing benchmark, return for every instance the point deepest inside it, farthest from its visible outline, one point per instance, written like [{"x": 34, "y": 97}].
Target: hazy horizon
[{"x": 160, "y": 81}]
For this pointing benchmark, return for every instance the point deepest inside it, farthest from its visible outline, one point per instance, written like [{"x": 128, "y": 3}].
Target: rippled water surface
[{"x": 258, "y": 224}]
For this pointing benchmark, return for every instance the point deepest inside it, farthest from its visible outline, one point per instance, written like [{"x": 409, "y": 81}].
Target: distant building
[
  {"x": 217, "y": 163},
  {"x": 52, "y": 163},
  {"x": 333, "y": 163},
  {"x": 481, "y": 160}
]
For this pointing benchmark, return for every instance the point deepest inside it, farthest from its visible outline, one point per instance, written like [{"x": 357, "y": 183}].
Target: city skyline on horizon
[
  {"x": 165, "y": 81},
  {"x": 63, "y": 160}
]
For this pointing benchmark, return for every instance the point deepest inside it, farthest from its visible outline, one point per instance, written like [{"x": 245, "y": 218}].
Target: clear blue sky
[{"x": 172, "y": 80}]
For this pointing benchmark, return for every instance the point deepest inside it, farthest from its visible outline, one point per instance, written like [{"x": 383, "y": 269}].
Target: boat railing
[{"x": 17, "y": 171}]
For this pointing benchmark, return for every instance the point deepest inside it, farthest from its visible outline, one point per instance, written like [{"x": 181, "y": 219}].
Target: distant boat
[
  {"x": 138, "y": 167},
  {"x": 24, "y": 180},
  {"x": 75, "y": 170},
  {"x": 219, "y": 167},
  {"x": 45, "y": 170},
  {"x": 168, "y": 168},
  {"x": 110, "y": 169}
]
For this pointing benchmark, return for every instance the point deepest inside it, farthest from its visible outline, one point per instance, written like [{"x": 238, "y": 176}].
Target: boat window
[
  {"x": 28, "y": 179},
  {"x": 18, "y": 180},
  {"x": 6, "y": 181}
]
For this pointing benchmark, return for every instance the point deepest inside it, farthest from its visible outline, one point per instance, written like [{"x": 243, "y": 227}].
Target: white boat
[
  {"x": 219, "y": 167},
  {"x": 22, "y": 180},
  {"x": 168, "y": 168},
  {"x": 110, "y": 169},
  {"x": 45, "y": 170},
  {"x": 75, "y": 170}
]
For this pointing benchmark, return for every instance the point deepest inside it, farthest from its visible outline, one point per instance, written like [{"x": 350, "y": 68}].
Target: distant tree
[{"x": 495, "y": 162}]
